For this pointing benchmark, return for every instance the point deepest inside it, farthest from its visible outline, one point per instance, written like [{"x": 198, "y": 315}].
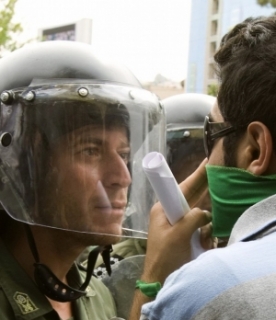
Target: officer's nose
[{"x": 116, "y": 172}]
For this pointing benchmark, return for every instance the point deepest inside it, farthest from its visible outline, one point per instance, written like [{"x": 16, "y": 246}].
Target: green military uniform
[{"x": 20, "y": 298}]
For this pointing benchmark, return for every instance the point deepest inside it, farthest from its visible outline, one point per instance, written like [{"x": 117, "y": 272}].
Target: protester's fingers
[
  {"x": 195, "y": 219},
  {"x": 168, "y": 245},
  {"x": 158, "y": 216},
  {"x": 206, "y": 238},
  {"x": 191, "y": 221},
  {"x": 195, "y": 185}
]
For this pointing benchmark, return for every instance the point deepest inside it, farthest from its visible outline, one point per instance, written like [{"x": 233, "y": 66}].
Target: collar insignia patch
[{"x": 24, "y": 303}]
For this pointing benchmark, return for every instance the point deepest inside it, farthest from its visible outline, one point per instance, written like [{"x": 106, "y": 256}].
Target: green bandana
[{"x": 232, "y": 191}]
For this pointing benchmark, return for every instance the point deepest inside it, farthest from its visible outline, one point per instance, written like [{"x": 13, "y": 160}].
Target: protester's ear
[{"x": 259, "y": 149}]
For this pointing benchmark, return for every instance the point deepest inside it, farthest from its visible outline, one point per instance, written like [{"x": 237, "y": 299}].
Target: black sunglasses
[{"x": 213, "y": 131}]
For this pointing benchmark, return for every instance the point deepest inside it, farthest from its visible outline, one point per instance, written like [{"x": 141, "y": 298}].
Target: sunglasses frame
[{"x": 213, "y": 131}]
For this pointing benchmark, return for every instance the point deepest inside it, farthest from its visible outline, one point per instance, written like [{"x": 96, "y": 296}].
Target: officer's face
[{"x": 85, "y": 188}]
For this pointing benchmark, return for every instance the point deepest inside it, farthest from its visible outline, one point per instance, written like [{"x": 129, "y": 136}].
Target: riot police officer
[{"x": 72, "y": 136}]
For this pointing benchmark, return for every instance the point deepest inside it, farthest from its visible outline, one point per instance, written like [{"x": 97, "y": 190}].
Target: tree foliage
[
  {"x": 8, "y": 29},
  {"x": 213, "y": 90},
  {"x": 272, "y": 3}
]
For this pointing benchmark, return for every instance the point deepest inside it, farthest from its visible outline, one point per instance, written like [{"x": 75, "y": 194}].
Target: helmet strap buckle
[{"x": 51, "y": 286}]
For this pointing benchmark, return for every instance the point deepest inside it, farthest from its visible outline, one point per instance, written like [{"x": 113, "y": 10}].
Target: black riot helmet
[
  {"x": 59, "y": 101},
  {"x": 185, "y": 114}
]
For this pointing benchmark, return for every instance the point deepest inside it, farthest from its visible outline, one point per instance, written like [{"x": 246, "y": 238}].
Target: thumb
[{"x": 195, "y": 219}]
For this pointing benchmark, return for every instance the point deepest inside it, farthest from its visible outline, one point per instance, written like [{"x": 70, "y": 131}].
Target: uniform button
[{"x": 90, "y": 292}]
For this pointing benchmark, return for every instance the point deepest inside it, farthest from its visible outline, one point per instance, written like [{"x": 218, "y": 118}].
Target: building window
[
  {"x": 212, "y": 72},
  {"x": 215, "y": 6},
  {"x": 214, "y": 27},
  {"x": 213, "y": 48}
]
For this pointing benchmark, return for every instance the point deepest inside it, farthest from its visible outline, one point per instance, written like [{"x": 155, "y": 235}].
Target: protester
[
  {"x": 72, "y": 135},
  {"x": 236, "y": 282}
]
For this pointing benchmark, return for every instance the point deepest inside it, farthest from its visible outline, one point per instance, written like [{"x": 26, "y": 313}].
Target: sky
[{"x": 150, "y": 37}]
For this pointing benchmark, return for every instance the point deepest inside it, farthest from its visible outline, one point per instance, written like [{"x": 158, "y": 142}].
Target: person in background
[
  {"x": 185, "y": 114},
  {"x": 238, "y": 281},
  {"x": 72, "y": 129}
]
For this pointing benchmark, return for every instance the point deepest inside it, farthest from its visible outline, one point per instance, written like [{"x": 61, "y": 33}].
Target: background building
[
  {"x": 164, "y": 87},
  {"x": 210, "y": 20},
  {"x": 80, "y": 31}
]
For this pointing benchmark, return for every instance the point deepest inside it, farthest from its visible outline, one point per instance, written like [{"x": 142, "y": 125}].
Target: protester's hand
[
  {"x": 207, "y": 241},
  {"x": 196, "y": 185},
  {"x": 168, "y": 246}
]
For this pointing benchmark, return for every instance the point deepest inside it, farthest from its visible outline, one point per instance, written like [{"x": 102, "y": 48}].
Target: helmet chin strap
[{"x": 55, "y": 289}]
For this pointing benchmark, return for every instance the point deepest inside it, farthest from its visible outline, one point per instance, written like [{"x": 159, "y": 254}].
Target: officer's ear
[{"x": 258, "y": 152}]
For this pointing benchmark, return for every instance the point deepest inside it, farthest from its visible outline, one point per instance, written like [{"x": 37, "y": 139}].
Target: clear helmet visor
[{"x": 71, "y": 155}]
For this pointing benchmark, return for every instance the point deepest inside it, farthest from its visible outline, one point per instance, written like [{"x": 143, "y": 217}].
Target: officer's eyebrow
[
  {"x": 124, "y": 143},
  {"x": 89, "y": 139}
]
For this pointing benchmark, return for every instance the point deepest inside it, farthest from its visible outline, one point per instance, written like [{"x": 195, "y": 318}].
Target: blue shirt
[{"x": 236, "y": 282}]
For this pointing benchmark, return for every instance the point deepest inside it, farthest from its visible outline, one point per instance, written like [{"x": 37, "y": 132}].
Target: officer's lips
[{"x": 117, "y": 207}]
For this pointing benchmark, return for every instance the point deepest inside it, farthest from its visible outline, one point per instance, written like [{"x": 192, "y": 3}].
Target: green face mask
[{"x": 232, "y": 191}]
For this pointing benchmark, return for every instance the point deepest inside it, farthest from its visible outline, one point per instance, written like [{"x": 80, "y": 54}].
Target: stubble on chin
[{"x": 86, "y": 240}]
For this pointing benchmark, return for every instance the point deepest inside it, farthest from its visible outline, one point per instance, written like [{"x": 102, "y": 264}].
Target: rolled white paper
[
  {"x": 165, "y": 186},
  {"x": 168, "y": 193}
]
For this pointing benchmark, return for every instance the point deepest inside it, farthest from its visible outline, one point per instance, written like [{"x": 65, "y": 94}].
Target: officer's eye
[
  {"x": 91, "y": 151},
  {"x": 125, "y": 156}
]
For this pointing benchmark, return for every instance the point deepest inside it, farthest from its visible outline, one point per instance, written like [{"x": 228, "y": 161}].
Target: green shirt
[{"x": 20, "y": 298}]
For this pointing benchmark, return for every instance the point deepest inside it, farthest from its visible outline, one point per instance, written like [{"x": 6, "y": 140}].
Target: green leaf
[{"x": 9, "y": 30}]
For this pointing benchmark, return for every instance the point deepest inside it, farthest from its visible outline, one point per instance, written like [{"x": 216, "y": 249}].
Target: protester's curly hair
[{"x": 246, "y": 68}]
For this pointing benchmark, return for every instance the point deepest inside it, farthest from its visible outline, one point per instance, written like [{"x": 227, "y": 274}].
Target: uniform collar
[
  {"x": 21, "y": 291},
  {"x": 24, "y": 297}
]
